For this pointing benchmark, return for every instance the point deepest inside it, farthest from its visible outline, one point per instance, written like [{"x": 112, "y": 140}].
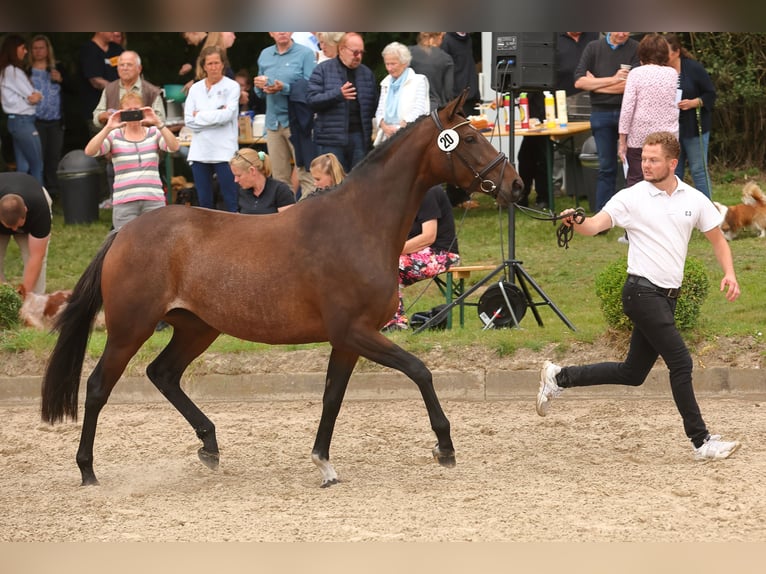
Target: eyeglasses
[{"x": 355, "y": 53}]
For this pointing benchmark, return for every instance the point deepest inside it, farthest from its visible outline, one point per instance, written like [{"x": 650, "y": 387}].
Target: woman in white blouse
[
  {"x": 211, "y": 111},
  {"x": 403, "y": 93},
  {"x": 19, "y": 101}
]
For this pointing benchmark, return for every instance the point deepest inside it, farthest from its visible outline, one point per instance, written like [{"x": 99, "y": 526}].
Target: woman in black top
[
  {"x": 258, "y": 192},
  {"x": 431, "y": 248}
]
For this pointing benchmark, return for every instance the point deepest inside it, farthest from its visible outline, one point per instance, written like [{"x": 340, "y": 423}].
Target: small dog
[
  {"x": 183, "y": 192},
  {"x": 40, "y": 311},
  {"x": 751, "y": 213}
]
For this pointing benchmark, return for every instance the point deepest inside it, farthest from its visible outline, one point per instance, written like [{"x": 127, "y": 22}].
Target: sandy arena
[{"x": 596, "y": 469}]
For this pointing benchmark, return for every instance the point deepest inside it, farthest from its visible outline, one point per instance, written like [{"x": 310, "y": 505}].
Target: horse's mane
[{"x": 374, "y": 155}]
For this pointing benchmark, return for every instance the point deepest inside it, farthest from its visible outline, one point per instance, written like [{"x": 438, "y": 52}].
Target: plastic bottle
[
  {"x": 524, "y": 110},
  {"x": 550, "y": 111},
  {"x": 561, "y": 108},
  {"x": 507, "y": 111}
]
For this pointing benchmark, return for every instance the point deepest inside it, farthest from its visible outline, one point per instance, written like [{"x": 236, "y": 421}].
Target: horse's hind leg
[
  {"x": 338, "y": 372},
  {"x": 100, "y": 384},
  {"x": 191, "y": 336}
]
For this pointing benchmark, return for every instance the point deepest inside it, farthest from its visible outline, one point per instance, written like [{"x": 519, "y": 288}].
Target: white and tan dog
[
  {"x": 40, "y": 311},
  {"x": 750, "y": 214}
]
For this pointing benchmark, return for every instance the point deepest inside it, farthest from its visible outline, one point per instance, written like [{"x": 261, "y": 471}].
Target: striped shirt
[{"x": 136, "y": 166}]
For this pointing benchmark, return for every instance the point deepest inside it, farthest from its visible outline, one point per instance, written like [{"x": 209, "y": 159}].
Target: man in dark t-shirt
[
  {"x": 431, "y": 248},
  {"x": 25, "y": 214},
  {"x": 98, "y": 67}
]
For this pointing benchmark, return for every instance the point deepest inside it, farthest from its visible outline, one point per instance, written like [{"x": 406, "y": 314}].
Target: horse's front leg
[{"x": 338, "y": 373}]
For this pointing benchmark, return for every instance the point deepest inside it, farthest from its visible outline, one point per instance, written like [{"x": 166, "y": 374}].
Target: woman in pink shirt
[
  {"x": 134, "y": 144},
  {"x": 649, "y": 103}
]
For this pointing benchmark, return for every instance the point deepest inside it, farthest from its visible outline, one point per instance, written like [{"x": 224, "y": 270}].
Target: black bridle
[{"x": 485, "y": 185}]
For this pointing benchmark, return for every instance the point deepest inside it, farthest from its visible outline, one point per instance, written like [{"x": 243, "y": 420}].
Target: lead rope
[
  {"x": 703, "y": 155},
  {"x": 564, "y": 233}
]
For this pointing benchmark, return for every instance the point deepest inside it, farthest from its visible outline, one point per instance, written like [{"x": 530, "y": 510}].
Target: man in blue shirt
[{"x": 279, "y": 66}]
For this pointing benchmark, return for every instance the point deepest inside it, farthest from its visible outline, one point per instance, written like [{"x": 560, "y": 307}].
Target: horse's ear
[{"x": 456, "y": 107}]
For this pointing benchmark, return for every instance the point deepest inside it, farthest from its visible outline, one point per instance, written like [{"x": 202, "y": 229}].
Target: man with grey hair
[{"x": 129, "y": 71}]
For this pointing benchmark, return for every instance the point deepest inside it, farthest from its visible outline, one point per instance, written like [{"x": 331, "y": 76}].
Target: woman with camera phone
[{"x": 133, "y": 136}]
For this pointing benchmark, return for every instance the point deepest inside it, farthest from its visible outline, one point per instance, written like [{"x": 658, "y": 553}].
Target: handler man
[
  {"x": 659, "y": 214},
  {"x": 25, "y": 214}
]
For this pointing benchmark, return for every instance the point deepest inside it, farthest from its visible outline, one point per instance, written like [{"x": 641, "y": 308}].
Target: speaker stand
[{"x": 512, "y": 268}]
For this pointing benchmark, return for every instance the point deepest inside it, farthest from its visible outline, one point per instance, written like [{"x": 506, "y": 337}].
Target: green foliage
[
  {"x": 10, "y": 304},
  {"x": 695, "y": 289},
  {"x": 736, "y": 63},
  {"x": 609, "y": 292}
]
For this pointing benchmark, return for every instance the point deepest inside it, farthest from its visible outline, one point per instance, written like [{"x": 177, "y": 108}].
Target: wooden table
[{"x": 559, "y": 138}]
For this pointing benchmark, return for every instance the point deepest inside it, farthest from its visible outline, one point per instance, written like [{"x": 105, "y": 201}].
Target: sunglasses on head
[{"x": 261, "y": 156}]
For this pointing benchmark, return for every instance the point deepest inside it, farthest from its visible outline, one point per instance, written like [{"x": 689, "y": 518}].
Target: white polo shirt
[{"x": 659, "y": 227}]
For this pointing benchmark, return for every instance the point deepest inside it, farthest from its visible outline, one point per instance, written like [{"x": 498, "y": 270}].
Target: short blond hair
[{"x": 131, "y": 97}]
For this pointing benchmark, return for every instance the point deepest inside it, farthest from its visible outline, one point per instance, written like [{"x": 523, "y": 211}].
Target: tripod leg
[
  {"x": 522, "y": 273},
  {"x": 520, "y": 277}
]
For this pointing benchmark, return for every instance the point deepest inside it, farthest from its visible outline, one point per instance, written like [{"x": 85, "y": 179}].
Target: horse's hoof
[
  {"x": 89, "y": 481},
  {"x": 444, "y": 458},
  {"x": 209, "y": 459},
  {"x": 329, "y": 483}
]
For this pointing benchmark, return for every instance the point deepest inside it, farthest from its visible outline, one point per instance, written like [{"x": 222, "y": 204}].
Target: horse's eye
[{"x": 470, "y": 138}]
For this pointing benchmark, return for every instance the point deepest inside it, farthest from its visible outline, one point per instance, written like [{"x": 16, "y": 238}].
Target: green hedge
[
  {"x": 10, "y": 304},
  {"x": 695, "y": 289}
]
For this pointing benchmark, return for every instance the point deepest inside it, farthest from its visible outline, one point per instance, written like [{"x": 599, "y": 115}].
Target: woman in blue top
[
  {"x": 48, "y": 80},
  {"x": 259, "y": 193}
]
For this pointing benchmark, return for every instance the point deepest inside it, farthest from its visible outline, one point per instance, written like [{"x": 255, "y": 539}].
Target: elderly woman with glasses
[{"x": 259, "y": 193}]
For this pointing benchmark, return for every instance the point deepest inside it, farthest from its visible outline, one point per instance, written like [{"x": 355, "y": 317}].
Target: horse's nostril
[{"x": 518, "y": 187}]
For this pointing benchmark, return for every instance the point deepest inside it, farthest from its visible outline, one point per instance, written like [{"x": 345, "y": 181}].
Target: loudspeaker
[{"x": 523, "y": 61}]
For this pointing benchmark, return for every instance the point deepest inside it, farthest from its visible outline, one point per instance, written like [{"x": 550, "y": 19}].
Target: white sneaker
[
  {"x": 715, "y": 449},
  {"x": 548, "y": 387}
]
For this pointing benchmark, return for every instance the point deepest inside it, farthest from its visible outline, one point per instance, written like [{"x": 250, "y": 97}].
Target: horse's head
[{"x": 479, "y": 166}]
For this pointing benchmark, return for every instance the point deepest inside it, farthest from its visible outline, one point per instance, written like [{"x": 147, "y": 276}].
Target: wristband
[{"x": 160, "y": 127}]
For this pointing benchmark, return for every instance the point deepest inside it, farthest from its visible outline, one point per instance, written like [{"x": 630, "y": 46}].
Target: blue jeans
[
  {"x": 26, "y": 145},
  {"x": 604, "y": 126},
  {"x": 350, "y": 154},
  {"x": 696, "y": 155},
  {"x": 654, "y": 334},
  {"x": 203, "y": 181}
]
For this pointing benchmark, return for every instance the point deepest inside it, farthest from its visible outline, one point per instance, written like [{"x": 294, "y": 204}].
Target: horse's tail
[{"x": 61, "y": 382}]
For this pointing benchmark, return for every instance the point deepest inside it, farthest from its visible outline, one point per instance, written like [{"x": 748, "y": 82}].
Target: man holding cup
[{"x": 602, "y": 71}]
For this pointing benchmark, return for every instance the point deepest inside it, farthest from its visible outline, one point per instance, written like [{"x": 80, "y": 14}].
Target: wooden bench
[{"x": 452, "y": 289}]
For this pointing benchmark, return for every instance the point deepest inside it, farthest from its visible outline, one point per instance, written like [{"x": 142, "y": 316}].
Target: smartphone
[{"x": 131, "y": 115}]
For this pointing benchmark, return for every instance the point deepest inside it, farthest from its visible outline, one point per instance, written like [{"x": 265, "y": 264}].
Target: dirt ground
[{"x": 593, "y": 470}]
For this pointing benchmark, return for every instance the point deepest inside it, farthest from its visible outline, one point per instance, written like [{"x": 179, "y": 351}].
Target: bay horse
[{"x": 324, "y": 270}]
